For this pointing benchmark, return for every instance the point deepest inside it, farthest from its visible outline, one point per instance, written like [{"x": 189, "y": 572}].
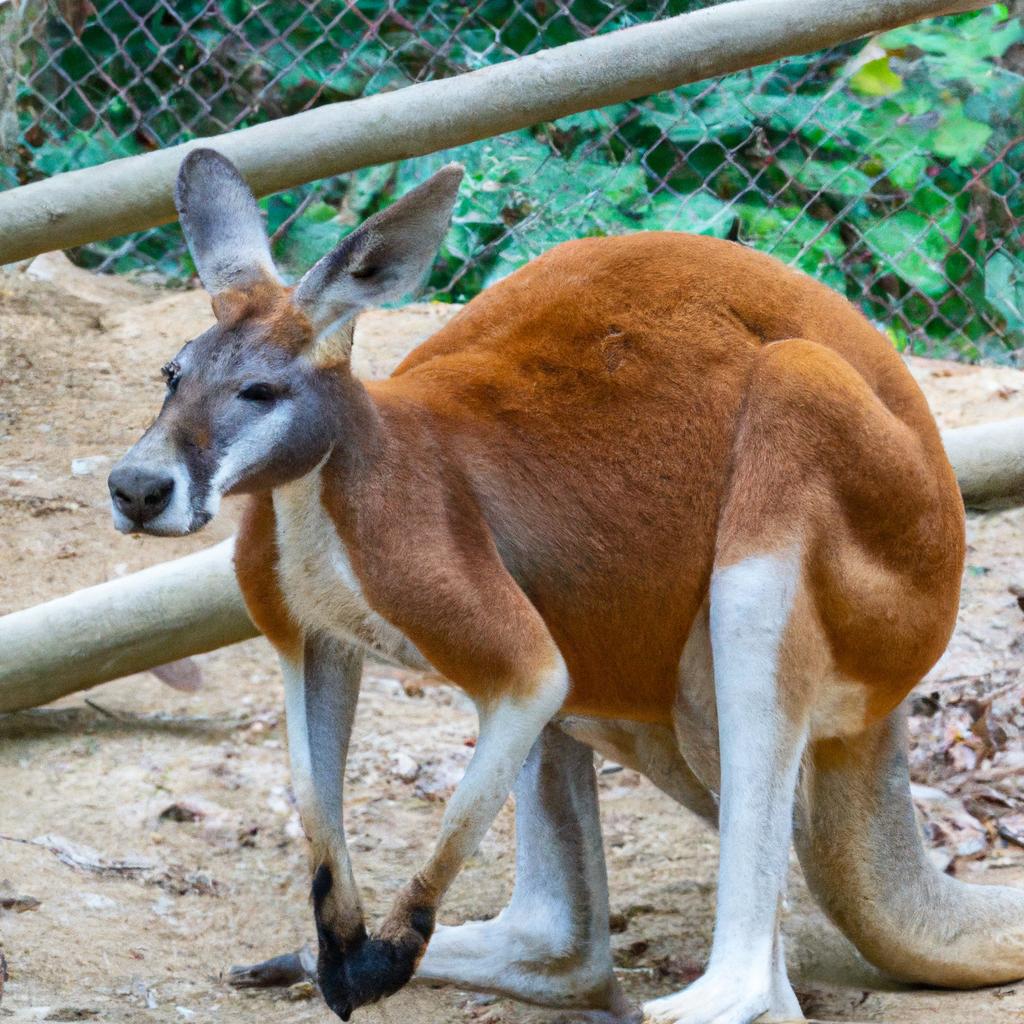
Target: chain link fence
[{"x": 889, "y": 168}]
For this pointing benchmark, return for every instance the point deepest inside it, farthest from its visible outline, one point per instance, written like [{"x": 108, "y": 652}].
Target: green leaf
[
  {"x": 1004, "y": 288},
  {"x": 876, "y": 78},
  {"x": 960, "y": 139},
  {"x": 839, "y": 178},
  {"x": 304, "y": 243},
  {"x": 914, "y": 247},
  {"x": 319, "y": 213},
  {"x": 699, "y": 212},
  {"x": 906, "y": 169},
  {"x": 968, "y": 40},
  {"x": 797, "y": 238}
]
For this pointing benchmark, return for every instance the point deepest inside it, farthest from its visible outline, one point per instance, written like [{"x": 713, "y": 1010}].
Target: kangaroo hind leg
[
  {"x": 865, "y": 863},
  {"x": 762, "y": 735},
  {"x": 770, "y": 659}
]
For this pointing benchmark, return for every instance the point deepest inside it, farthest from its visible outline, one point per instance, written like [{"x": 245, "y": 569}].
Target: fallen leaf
[
  {"x": 19, "y": 904},
  {"x": 184, "y": 675},
  {"x": 1011, "y": 828}
]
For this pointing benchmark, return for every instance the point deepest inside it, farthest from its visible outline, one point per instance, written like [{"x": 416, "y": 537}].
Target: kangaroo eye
[
  {"x": 172, "y": 374},
  {"x": 257, "y": 393}
]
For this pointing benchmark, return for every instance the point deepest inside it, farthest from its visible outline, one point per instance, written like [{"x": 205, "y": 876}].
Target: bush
[{"x": 893, "y": 173}]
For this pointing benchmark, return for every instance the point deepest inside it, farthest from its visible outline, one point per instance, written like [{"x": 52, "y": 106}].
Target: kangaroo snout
[{"x": 140, "y": 494}]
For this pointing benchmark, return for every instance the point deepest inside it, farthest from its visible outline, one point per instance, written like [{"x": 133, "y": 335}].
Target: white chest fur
[{"x": 317, "y": 580}]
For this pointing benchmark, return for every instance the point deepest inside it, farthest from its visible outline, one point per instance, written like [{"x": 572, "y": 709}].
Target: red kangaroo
[{"x": 658, "y": 491}]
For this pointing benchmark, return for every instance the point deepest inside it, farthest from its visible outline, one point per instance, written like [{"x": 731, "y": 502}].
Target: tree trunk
[{"x": 989, "y": 463}]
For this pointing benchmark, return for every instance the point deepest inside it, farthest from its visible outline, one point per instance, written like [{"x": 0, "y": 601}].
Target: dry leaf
[
  {"x": 184, "y": 675},
  {"x": 19, "y": 904},
  {"x": 75, "y": 13}
]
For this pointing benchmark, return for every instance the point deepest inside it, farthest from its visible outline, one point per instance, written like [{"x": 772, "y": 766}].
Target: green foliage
[
  {"x": 876, "y": 78},
  {"x": 896, "y": 180}
]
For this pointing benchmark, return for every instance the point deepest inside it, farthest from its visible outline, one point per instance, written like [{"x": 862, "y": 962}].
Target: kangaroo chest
[{"x": 318, "y": 582}]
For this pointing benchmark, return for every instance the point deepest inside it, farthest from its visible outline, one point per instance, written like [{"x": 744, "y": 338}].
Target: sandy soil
[{"x": 79, "y": 359}]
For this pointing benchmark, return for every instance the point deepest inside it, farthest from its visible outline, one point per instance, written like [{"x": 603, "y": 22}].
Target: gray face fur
[
  {"x": 246, "y": 407},
  {"x": 239, "y": 414}
]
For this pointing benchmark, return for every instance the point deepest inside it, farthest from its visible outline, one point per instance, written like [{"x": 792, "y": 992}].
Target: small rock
[
  {"x": 972, "y": 846},
  {"x": 405, "y": 767},
  {"x": 632, "y": 955},
  {"x": 88, "y": 464},
  {"x": 163, "y": 906},
  {"x": 96, "y": 901},
  {"x": 180, "y": 811},
  {"x": 193, "y": 808},
  {"x": 1011, "y": 828},
  {"x": 278, "y": 802}
]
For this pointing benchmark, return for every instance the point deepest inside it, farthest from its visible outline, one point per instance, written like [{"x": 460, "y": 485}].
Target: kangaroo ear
[
  {"x": 221, "y": 222},
  {"x": 384, "y": 258}
]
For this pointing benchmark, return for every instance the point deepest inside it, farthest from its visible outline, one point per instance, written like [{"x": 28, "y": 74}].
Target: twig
[
  {"x": 291, "y": 218},
  {"x": 159, "y": 718},
  {"x": 104, "y": 711},
  {"x": 15, "y": 839},
  {"x": 84, "y": 858}
]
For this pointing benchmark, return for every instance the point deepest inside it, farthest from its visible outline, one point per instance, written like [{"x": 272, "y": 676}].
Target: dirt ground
[{"x": 192, "y": 787}]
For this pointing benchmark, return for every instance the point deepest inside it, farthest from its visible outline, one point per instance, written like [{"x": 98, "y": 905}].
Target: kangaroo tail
[{"x": 864, "y": 861}]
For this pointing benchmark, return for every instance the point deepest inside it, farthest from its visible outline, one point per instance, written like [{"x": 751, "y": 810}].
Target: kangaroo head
[{"x": 253, "y": 402}]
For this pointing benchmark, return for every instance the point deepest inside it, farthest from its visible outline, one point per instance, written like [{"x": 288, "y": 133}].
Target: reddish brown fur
[
  {"x": 270, "y": 303},
  {"x": 575, "y": 452},
  {"x": 255, "y": 561}
]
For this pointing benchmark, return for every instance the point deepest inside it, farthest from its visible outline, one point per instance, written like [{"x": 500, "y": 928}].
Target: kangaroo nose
[{"x": 140, "y": 494}]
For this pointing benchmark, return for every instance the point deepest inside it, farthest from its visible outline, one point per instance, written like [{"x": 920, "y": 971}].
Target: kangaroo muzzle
[{"x": 140, "y": 494}]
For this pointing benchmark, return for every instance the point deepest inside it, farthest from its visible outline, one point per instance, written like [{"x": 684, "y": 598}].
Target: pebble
[
  {"x": 405, "y": 767},
  {"x": 87, "y": 465},
  {"x": 97, "y": 901}
]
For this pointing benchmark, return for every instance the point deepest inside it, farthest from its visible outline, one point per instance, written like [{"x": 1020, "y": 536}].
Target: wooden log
[
  {"x": 127, "y": 195},
  {"x": 989, "y": 462},
  {"x": 126, "y": 625},
  {"x": 193, "y": 604}
]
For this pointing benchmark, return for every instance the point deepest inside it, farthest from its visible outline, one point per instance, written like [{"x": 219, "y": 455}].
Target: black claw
[
  {"x": 277, "y": 972},
  {"x": 361, "y": 969}
]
